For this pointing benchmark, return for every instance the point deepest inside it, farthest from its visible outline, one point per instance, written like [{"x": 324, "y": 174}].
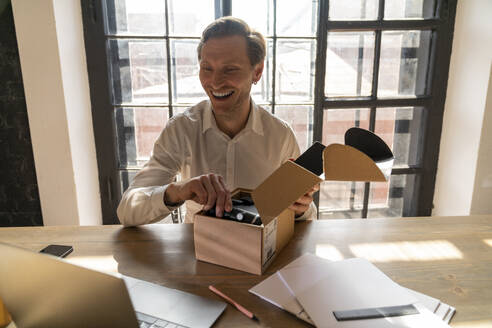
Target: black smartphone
[{"x": 57, "y": 250}]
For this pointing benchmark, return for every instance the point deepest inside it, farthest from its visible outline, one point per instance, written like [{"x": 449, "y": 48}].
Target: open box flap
[
  {"x": 368, "y": 143},
  {"x": 346, "y": 163},
  {"x": 281, "y": 189}
]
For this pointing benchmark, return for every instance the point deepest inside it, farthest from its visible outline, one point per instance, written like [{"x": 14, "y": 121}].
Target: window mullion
[
  {"x": 274, "y": 55},
  {"x": 168, "y": 61},
  {"x": 374, "y": 95},
  {"x": 223, "y": 8},
  {"x": 320, "y": 70},
  {"x": 319, "y": 78}
]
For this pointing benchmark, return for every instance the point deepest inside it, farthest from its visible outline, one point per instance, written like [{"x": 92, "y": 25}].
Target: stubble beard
[{"x": 234, "y": 111}]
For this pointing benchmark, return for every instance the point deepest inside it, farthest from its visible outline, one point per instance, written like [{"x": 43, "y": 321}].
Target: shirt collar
[
  {"x": 208, "y": 117},
  {"x": 254, "y": 120}
]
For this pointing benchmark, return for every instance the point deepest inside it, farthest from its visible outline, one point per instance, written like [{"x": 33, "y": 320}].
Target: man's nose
[{"x": 217, "y": 79}]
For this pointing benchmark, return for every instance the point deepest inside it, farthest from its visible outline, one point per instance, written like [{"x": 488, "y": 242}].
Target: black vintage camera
[{"x": 243, "y": 210}]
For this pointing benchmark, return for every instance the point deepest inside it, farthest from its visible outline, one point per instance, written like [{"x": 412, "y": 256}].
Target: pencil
[{"x": 238, "y": 306}]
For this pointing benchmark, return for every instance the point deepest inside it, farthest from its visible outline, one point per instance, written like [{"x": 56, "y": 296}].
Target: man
[{"x": 219, "y": 144}]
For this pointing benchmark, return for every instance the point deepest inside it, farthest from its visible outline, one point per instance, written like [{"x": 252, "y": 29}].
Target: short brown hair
[{"x": 229, "y": 26}]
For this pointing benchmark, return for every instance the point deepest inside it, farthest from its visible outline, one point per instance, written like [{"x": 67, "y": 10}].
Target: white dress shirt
[{"x": 191, "y": 145}]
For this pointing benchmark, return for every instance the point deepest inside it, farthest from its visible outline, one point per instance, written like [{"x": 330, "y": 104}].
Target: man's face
[{"x": 226, "y": 74}]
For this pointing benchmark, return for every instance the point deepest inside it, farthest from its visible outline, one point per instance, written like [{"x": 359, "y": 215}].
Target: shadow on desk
[{"x": 163, "y": 255}]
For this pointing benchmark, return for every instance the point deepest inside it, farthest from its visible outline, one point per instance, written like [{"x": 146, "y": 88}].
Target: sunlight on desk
[
  {"x": 473, "y": 324},
  {"x": 488, "y": 242},
  {"x": 101, "y": 263},
  {"x": 407, "y": 251},
  {"x": 328, "y": 252}
]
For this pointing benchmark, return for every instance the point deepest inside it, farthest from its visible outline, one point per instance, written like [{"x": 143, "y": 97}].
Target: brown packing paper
[
  {"x": 345, "y": 163},
  {"x": 281, "y": 189}
]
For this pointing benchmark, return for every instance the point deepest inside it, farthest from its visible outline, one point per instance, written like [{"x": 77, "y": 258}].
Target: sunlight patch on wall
[{"x": 407, "y": 251}]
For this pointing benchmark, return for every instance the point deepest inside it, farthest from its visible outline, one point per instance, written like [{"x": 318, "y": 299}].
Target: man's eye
[
  {"x": 231, "y": 70},
  {"x": 206, "y": 69}
]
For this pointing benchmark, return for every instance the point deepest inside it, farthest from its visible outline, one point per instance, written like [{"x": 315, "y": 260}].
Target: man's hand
[
  {"x": 207, "y": 189},
  {"x": 302, "y": 204}
]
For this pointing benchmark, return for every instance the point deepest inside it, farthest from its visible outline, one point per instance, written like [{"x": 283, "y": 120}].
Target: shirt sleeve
[
  {"x": 143, "y": 201},
  {"x": 291, "y": 147}
]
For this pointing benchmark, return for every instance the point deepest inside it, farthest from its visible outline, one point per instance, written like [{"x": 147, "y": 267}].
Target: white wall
[
  {"x": 54, "y": 72},
  {"x": 462, "y": 172},
  {"x": 482, "y": 193}
]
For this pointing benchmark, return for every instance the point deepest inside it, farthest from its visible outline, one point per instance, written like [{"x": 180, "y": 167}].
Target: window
[{"x": 330, "y": 65}]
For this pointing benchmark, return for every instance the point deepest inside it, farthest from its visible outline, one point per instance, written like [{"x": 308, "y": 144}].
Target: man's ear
[{"x": 258, "y": 70}]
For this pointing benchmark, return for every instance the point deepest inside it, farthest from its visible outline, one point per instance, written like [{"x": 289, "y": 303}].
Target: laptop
[{"x": 41, "y": 290}]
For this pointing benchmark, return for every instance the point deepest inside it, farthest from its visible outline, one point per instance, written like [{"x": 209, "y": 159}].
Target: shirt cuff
[{"x": 157, "y": 200}]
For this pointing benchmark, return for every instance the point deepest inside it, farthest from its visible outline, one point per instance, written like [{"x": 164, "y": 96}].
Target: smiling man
[{"x": 220, "y": 144}]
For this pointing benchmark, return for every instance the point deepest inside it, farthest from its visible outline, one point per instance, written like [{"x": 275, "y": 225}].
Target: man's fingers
[
  {"x": 302, "y": 204},
  {"x": 221, "y": 195},
  {"x": 211, "y": 195},
  {"x": 299, "y": 208},
  {"x": 227, "y": 201},
  {"x": 313, "y": 190},
  {"x": 196, "y": 188},
  {"x": 305, "y": 200}
]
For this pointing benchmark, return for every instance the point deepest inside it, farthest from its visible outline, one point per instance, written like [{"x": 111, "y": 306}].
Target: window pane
[
  {"x": 337, "y": 121},
  {"x": 179, "y": 109},
  {"x": 341, "y": 200},
  {"x": 402, "y": 130},
  {"x": 300, "y": 119},
  {"x": 137, "y": 129},
  {"x": 136, "y": 17},
  {"x": 186, "y": 83},
  {"x": 126, "y": 178},
  {"x": 262, "y": 91},
  {"x": 349, "y": 64},
  {"x": 138, "y": 71},
  {"x": 296, "y": 17},
  {"x": 397, "y": 9},
  {"x": 257, "y": 13},
  {"x": 353, "y": 9},
  {"x": 404, "y": 63},
  {"x": 386, "y": 198},
  {"x": 295, "y": 71},
  {"x": 189, "y": 17}
]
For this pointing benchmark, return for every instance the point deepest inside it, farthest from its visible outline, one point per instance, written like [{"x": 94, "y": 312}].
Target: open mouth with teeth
[{"x": 222, "y": 95}]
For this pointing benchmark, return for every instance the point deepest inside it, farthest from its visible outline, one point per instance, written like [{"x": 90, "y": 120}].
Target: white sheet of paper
[
  {"x": 430, "y": 303},
  {"x": 443, "y": 310},
  {"x": 450, "y": 314},
  {"x": 274, "y": 290},
  {"x": 343, "y": 285}
]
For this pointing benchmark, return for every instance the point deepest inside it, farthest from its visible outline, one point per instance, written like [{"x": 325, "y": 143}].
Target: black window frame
[{"x": 417, "y": 198}]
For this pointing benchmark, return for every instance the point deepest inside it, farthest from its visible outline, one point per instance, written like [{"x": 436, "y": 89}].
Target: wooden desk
[{"x": 449, "y": 258}]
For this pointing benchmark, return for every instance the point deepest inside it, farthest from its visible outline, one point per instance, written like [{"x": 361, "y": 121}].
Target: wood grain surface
[{"x": 449, "y": 258}]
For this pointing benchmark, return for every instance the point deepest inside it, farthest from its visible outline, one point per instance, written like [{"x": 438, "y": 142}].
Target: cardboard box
[
  {"x": 4, "y": 315},
  {"x": 251, "y": 248}
]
